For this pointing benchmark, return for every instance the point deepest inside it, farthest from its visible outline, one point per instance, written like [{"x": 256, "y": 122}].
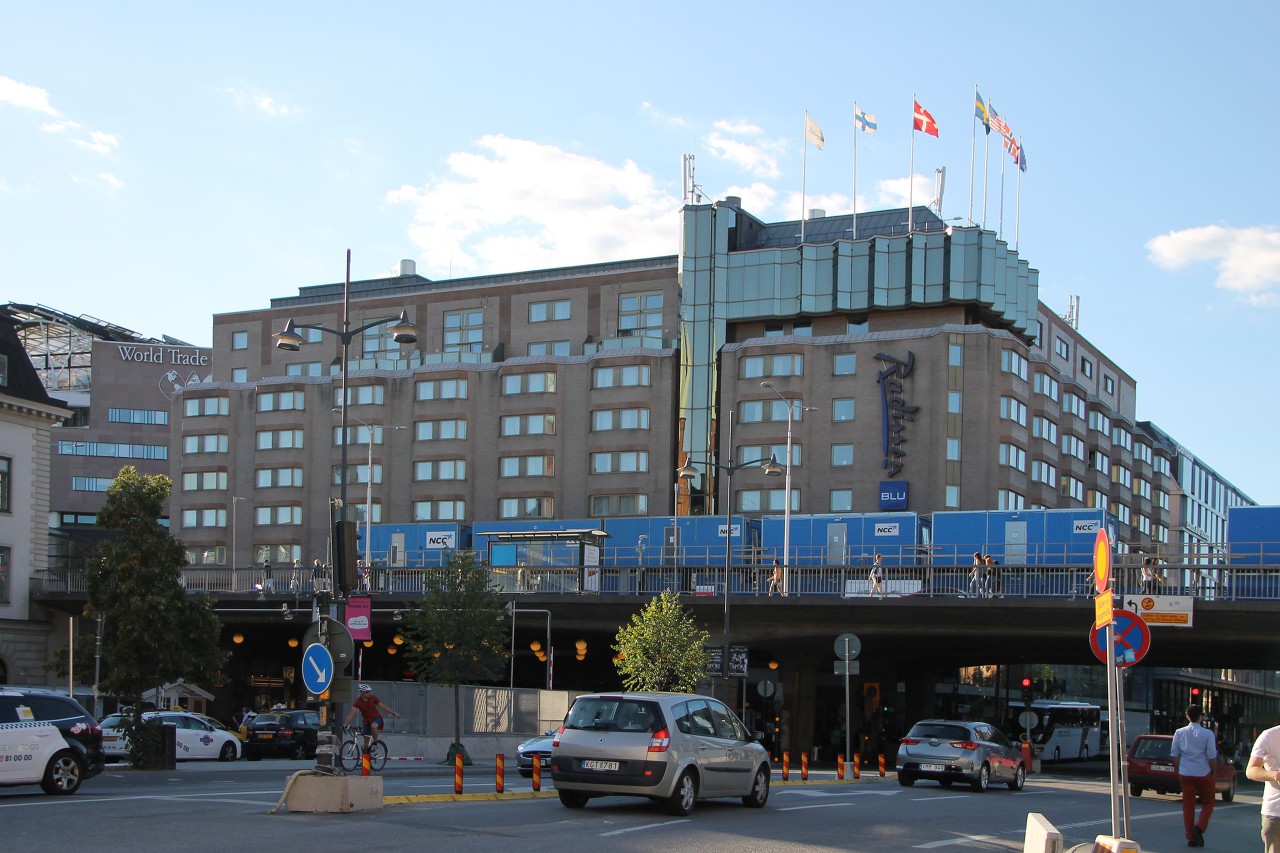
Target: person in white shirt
[
  {"x": 1264, "y": 766},
  {"x": 1195, "y": 753}
]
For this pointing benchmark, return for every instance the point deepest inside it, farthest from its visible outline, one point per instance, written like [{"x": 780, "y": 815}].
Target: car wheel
[
  {"x": 63, "y": 775},
  {"x": 906, "y": 780},
  {"x": 228, "y": 752},
  {"x": 252, "y": 755},
  {"x": 300, "y": 752},
  {"x": 1229, "y": 794},
  {"x": 759, "y": 790},
  {"x": 983, "y": 780},
  {"x": 1135, "y": 791},
  {"x": 680, "y": 803},
  {"x": 572, "y": 799},
  {"x": 1019, "y": 779}
]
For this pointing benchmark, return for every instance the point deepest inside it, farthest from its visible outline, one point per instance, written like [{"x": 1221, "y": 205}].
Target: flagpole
[
  {"x": 1000, "y": 232},
  {"x": 986, "y": 166},
  {"x": 1017, "y": 219},
  {"x": 973, "y": 144},
  {"x": 855, "y": 170},
  {"x": 911, "y": 170},
  {"x": 804, "y": 173}
]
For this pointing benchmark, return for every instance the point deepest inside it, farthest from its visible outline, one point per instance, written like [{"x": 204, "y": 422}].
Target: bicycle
[{"x": 350, "y": 753}]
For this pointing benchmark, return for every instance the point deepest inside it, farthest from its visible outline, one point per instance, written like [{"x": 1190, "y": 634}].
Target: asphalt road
[{"x": 220, "y": 807}]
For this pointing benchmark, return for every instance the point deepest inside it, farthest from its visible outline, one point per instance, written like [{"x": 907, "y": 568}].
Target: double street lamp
[
  {"x": 403, "y": 332},
  {"x": 770, "y": 467},
  {"x": 786, "y": 509}
]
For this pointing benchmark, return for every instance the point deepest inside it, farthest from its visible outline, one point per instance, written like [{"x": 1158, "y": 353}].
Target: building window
[
  {"x": 1072, "y": 488},
  {"x": 159, "y": 417},
  {"x": 1061, "y": 348},
  {"x": 537, "y": 424},
  {"x": 379, "y": 342},
  {"x": 1121, "y": 437},
  {"x": 6, "y": 484},
  {"x": 1162, "y": 499},
  {"x": 1142, "y": 452},
  {"x": 1043, "y": 472},
  {"x": 281, "y": 401},
  {"x": 279, "y": 439},
  {"x": 1100, "y": 422},
  {"x": 1143, "y": 524},
  {"x": 358, "y": 395},
  {"x": 4, "y": 383},
  {"x": 749, "y": 453},
  {"x": 841, "y": 455},
  {"x": 541, "y": 348},
  {"x": 955, "y": 402},
  {"x": 276, "y": 515},
  {"x": 1046, "y": 429},
  {"x": 1122, "y": 475},
  {"x": 841, "y": 409},
  {"x": 784, "y": 364},
  {"x": 1046, "y": 385},
  {"x": 951, "y": 497},
  {"x": 607, "y": 506},
  {"x": 622, "y": 376},
  {"x": 841, "y": 500},
  {"x": 529, "y": 383},
  {"x": 605, "y": 420},
  {"x": 464, "y": 330},
  {"x": 114, "y": 451},
  {"x": 526, "y": 466},
  {"x": 1098, "y": 461},
  {"x": 284, "y": 555},
  {"x": 276, "y": 478},
  {"x": 1108, "y": 385},
  {"x": 1012, "y": 362},
  {"x": 1013, "y": 456},
  {"x": 542, "y": 312},
  {"x": 1072, "y": 446},
  {"x": 639, "y": 313},
  {"x": 208, "y": 443},
  {"x": 442, "y": 389},
  {"x": 304, "y": 368},
  {"x": 620, "y": 462},
  {"x": 204, "y": 518},
  {"x": 358, "y": 434},
  {"x": 526, "y": 508},
  {"x": 1086, "y": 367},
  {"x": 91, "y": 484},
  {"x": 846, "y": 364},
  {"x": 763, "y": 411},
  {"x": 1007, "y": 499},
  {"x": 356, "y": 474},
  {"x": 955, "y": 355},
  {"x": 198, "y": 407},
  {"x": 1142, "y": 488},
  {"x": 766, "y": 500},
  {"x": 855, "y": 325},
  {"x": 239, "y": 374},
  {"x": 239, "y": 340},
  {"x": 953, "y": 450},
  {"x": 454, "y": 429},
  {"x": 440, "y": 469},
  {"x": 1098, "y": 499},
  {"x": 204, "y": 481},
  {"x": 439, "y": 510},
  {"x": 1073, "y": 404},
  {"x": 1123, "y": 513},
  {"x": 1013, "y": 409}
]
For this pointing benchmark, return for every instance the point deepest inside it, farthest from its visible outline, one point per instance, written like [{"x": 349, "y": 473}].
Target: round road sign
[
  {"x": 848, "y": 646},
  {"x": 765, "y": 689},
  {"x": 1102, "y": 559},
  {"x": 1028, "y": 719},
  {"x": 1131, "y": 638}
]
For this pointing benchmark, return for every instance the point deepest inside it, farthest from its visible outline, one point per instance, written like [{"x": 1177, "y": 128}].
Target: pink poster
[{"x": 359, "y": 612}]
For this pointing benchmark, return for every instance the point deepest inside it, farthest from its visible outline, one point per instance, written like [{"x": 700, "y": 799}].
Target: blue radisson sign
[{"x": 895, "y": 414}]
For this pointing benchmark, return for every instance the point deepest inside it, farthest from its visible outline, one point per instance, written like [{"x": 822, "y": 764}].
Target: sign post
[
  {"x": 1102, "y": 579},
  {"x": 848, "y": 646}
]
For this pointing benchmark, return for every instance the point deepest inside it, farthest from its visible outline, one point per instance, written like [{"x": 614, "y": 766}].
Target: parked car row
[
  {"x": 196, "y": 736},
  {"x": 47, "y": 739}
]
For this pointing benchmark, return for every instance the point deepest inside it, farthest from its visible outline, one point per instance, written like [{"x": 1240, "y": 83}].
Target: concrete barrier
[
  {"x": 335, "y": 794},
  {"x": 1041, "y": 836}
]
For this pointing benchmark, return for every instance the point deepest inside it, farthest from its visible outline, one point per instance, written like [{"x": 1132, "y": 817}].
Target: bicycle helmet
[{"x": 364, "y": 688}]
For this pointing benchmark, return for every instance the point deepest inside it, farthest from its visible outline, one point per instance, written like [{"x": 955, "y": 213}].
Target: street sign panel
[
  {"x": 1131, "y": 639},
  {"x": 339, "y": 641},
  {"x": 848, "y": 667},
  {"x": 1102, "y": 607},
  {"x": 1168, "y": 610},
  {"x": 848, "y": 646},
  {"x": 317, "y": 668}
]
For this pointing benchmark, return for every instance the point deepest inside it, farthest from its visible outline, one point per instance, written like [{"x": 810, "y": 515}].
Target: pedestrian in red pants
[{"x": 1195, "y": 752}]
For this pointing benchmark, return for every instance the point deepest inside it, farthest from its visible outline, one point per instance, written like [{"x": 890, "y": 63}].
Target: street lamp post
[
  {"x": 235, "y": 501},
  {"x": 403, "y": 331},
  {"x": 786, "y": 509},
  {"x": 687, "y": 471},
  {"x": 368, "y": 482}
]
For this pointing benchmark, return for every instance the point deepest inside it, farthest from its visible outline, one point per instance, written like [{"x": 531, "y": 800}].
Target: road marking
[
  {"x": 963, "y": 839},
  {"x": 799, "y": 793},
  {"x": 814, "y": 806},
  {"x": 948, "y": 797},
  {"x": 643, "y": 827}
]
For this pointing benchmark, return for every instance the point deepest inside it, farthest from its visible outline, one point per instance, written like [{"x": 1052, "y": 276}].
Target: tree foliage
[
  {"x": 153, "y": 632},
  {"x": 458, "y": 632},
  {"x": 662, "y": 648}
]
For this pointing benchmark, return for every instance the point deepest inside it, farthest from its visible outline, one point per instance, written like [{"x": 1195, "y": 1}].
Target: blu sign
[{"x": 893, "y": 494}]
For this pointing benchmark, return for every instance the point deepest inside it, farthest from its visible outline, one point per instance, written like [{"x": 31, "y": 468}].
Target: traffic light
[
  {"x": 1195, "y": 695},
  {"x": 1027, "y": 695},
  {"x": 345, "y": 541}
]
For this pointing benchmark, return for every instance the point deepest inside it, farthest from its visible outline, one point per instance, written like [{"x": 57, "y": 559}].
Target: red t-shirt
[{"x": 368, "y": 706}]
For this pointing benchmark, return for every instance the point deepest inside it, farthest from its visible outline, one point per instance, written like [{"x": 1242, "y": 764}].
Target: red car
[{"x": 1151, "y": 768}]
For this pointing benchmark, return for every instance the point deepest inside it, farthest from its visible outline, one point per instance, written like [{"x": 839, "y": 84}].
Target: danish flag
[{"x": 924, "y": 121}]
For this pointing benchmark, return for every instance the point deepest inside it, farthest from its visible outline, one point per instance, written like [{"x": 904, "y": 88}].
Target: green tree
[
  {"x": 456, "y": 634},
  {"x": 153, "y": 631},
  {"x": 662, "y": 648}
]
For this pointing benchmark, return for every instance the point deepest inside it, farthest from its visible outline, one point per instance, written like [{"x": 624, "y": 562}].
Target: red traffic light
[
  {"x": 1195, "y": 691},
  {"x": 1026, "y": 682}
]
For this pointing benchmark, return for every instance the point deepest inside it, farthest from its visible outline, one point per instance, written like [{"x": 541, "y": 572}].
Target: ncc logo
[
  {"x": 440, "y": 540},
  {"x": 893, "y": 494}
]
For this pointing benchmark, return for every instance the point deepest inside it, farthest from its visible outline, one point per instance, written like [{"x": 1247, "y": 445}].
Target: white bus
[{"x": 1063, "y": 730}]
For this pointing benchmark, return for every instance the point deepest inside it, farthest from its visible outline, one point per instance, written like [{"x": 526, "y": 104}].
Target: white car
[
  {"x": 35, "y": 753},
  {"x": 196, "y": 738}
]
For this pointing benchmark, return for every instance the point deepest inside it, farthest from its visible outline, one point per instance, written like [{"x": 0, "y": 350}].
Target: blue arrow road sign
[{"x": 317, "y": 668}]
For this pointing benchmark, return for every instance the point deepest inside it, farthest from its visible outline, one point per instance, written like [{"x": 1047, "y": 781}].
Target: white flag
[
  {"x": 866, "y": 122},
  {"x": 812, "y": 132}
]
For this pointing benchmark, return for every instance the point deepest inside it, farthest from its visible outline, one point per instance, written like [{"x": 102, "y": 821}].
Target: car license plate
[
  {"x": 933, "y": 768},
  {"x": 1162, "y": 768},
  {"x": 599, "y": 765},
  {"x": 109, "y": 738},
  {"x": 266, "y": 735}
]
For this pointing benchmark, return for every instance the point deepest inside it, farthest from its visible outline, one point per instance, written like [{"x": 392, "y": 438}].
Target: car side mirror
[{"x": 757, "y": 736}]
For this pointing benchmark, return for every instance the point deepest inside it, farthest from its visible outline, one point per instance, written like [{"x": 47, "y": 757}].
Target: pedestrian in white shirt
[
  {"x": 1195, "y": 753},
  {"x": 1264, "y": 766}
]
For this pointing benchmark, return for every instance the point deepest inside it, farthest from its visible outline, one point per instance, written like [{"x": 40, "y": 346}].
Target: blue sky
[{"x": 162, "y": 163}]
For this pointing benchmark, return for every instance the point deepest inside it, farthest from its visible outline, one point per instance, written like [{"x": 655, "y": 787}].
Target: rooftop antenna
[
  {"x": 1073, "y": 312},
  {"x": 689, "y": 187},
  {"x": 939, "y": 186}
]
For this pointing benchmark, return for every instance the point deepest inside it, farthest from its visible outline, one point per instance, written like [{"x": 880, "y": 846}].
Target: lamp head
[
  {"x": 403, "y": 331},
  {"x": 773, "y": 467},
  {"x": 288, "y": 340},
  {"x": 686, "y": 472}
]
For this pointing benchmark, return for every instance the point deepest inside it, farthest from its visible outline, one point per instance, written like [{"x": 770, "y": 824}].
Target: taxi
[{"x": 35, "y": 753}]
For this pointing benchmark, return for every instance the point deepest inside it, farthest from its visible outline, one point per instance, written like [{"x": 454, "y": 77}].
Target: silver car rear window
[
  {"x": 940, "y": 731},
  {"x": 614, "y": 714}
]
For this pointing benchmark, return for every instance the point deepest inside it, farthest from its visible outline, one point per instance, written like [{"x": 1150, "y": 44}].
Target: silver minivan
[{"x": 674, "y": 748}]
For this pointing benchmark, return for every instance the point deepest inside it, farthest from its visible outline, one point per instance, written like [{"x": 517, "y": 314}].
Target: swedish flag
[{"x": 980, "y": 111}]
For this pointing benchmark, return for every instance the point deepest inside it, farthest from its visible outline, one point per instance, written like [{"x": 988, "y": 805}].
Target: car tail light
[
  {"x": 964, "y": 744},
  {"x": 908, "y": 741},
  {"x": 555, "y": 741},
  {"x": 660, "y": 741},
  {"x": 286, "y": 733}
]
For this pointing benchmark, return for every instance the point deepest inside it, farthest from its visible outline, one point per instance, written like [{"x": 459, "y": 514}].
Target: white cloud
[
  {"x": 759, "y": 158},
  {"x": 1248, "y": 259},
  {"x": 111, "y": 181},
  {"x": 98, "y": 141},
  {"x": 897, "y": 192},
  {"x": 516, "y": 204},
  {"x": 660, "y": 116},
  {"x": 259, "y": 101},
  {"x": 756, "y": 197},
  {"x": 27, "y": 97},
  {"x": 59, "y": 126}
]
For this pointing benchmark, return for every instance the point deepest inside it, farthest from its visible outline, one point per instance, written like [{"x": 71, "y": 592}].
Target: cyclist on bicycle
[{"x": 368, "y": 705}]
